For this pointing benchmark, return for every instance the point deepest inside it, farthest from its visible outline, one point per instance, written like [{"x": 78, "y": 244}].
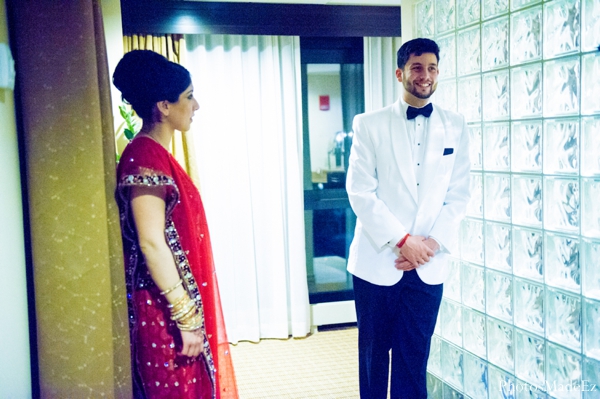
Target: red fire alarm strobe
[{"x": 324, "y": 103}]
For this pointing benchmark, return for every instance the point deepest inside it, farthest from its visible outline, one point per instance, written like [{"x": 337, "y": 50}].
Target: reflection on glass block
[
  {"x": 561, "y": 146},
  {"x": 590, "y": 146},
  {"x": 561, "y": 87},
  {"x": 496, "y": 146},
  {"x": 516, "y": 4},
  {"x": 474, "y": 332},
  {"x": 475, "y": 206},
  {"x": 591, "y": 376},
  {"x": 495, "y": 96},
  {"x": 475, "y": 146},
  {"x": 498, "y": 295},
  {"x": 452, "y": 361},
  {"x": 561, "y": 28},
  {"x": 500, "y": 344},
  {"x": 526, "y": 96},
  {"x": 526, "y": 390},
  {"x": 562, "y": 262},
  {"x": 472, "y": 241},
  {"x": 502, "y": 384},
  {"x": 497, "y": 247},
  {"x": 451, "y": 393},
  {"x": 425, "y": 22},
  {"x": 444, "y": 15},
  {"x": 452, "y": 284},
  {"x": 561, "y": 204},
  {"x": 530, "y": 352},
  {"x": 526, "y": 36},
  {"x": 591, "y": 322},
  {"x": 590, "y": 253},
  {"x": 563, "y": 372},
  {"x": 494, "y": 7},
  {"x": 590, "y": 29},
  {"x": 473, "y": 286},
  {"x": 563, "y": 318},
  {"x": 529, "y": 306},
  {"x": 527, "y": 200},
  {"x": 476, "y": 379},
  {"x": 468, "y": 47},
  {"x": 446, "y": 94},
  {"x": 434, "y": 364},
  {"x": 467, "y": 12},
  {"x": 435, "y": 387},
  {"x": 447, "y": 57},
  {"x": 590, "y": 100},
  {"x": 451, "y": 317},
  {"x": 494, "y": 40},
  {"x": 438, "y": 325},
  {"x": 590, "y": 211},
  {"x": 497, "y": 197},
  {"x": 527, "y": 146},
  {"x": 469, "y": 98},
  {"x": 528, "y": 249}
]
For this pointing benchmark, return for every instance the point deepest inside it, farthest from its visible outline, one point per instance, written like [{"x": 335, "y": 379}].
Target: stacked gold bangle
[{"x": 184, "y": 311}]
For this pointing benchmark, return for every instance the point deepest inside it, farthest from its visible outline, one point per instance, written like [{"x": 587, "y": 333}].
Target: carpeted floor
[{"x": 322, "y": 365}]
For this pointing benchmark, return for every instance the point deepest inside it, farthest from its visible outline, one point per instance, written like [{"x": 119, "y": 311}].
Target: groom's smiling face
[{"x": 419, "y": 75}]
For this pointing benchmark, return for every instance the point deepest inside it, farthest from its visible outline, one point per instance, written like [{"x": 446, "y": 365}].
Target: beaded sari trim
[{"x": 189, "y": 282}]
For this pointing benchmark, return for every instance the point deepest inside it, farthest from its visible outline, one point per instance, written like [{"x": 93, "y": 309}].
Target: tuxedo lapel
[
  {"x": 434, "y": 150},
  {"x": 402, "y": 148}
]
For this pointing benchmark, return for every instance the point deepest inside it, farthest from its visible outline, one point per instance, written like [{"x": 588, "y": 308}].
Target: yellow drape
[
  {"x": 171, "y": 46},
  {"x": 82, "y": 339}
]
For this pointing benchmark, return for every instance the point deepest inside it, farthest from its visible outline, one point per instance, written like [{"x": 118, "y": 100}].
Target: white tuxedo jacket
[{"x": 382, "y": 188}]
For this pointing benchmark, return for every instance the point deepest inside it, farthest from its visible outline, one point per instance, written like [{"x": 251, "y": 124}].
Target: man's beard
[{"x": 412, "y": 89}]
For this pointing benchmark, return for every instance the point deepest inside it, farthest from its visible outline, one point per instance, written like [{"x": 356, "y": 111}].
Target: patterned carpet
[{"x": 322, "y": 365}]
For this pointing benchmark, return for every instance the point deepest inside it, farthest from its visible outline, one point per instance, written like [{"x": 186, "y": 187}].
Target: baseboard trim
[{"x": 332, "y": 313}]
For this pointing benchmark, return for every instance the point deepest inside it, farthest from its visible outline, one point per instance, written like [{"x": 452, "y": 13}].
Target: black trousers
[{"x": 400, "y": 318}]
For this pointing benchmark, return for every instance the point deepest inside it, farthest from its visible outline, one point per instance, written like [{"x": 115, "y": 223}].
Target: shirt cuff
[
  {"x": 442, "y": 248},
  {"x": 392, "y": 243}
]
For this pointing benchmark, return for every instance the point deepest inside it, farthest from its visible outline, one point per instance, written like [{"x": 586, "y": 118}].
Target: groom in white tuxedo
[{"x": 408, "y": 183}]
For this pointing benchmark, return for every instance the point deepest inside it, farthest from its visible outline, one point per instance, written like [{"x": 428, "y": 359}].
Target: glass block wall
[{"x": 520, "y": 316}]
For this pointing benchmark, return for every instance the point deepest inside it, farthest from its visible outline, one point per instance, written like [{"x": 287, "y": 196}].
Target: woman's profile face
[{"x": 182, "y": 111}]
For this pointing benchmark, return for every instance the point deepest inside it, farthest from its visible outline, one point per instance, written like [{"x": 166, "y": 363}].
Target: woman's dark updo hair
[{"x": 144, "y": 78}]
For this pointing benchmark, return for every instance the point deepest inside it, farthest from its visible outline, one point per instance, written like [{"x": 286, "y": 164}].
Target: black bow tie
[{"x": 412, "y": 112}]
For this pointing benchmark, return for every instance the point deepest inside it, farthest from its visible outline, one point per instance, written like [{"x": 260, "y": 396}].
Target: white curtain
[
  {"x": 248, "y": 145},
  {"x": 381, "y": 86}
]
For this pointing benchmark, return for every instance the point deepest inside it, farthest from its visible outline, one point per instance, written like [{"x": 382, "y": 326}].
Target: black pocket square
[{"x": 448, "y": 151}]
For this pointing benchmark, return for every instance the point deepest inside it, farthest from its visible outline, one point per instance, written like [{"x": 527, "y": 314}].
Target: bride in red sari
[{"x": 179, "y": 346}]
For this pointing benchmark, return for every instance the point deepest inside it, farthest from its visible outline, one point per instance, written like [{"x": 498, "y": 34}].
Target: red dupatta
[{"x": 145, "y": 162}]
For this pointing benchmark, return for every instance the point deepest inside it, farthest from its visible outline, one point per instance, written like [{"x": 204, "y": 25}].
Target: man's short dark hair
[{"x": 417, "y": 47}]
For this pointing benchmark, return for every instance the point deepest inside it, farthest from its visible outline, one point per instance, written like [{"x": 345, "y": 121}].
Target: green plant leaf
[
  {"x": 129, "y": 134},
  {"x": 123, "y": 112}
]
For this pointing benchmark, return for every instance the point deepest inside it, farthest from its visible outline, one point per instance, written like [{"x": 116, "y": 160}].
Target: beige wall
[
  {"x": 113, "y": 31},
  {"x": 15, "y": 376}
]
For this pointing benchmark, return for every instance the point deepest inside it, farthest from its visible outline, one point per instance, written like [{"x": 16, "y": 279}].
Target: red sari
[{"x": 158, "y": 372}]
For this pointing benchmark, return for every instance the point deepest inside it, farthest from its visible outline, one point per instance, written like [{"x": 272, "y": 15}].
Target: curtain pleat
[
  {"x": 249, "y": 151},
  {"x": 172, "y": 46},
  {"x": 381, "y": 86}
]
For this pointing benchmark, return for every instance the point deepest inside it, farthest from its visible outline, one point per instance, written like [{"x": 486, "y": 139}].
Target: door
[{"x": 332, "y": 94}]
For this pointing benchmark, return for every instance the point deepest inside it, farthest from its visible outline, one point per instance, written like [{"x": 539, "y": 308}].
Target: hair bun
[
  {"x": 136, "y": 74},
  {"x": 144, "y": 78}
]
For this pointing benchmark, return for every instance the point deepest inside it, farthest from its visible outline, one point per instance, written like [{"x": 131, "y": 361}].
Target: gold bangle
[
  {"x": 165, "y": 292},
  {"x": 179, "y": 302},
  {"x": 193, "y": 324},
  {"x": 190, "y": 307}
]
